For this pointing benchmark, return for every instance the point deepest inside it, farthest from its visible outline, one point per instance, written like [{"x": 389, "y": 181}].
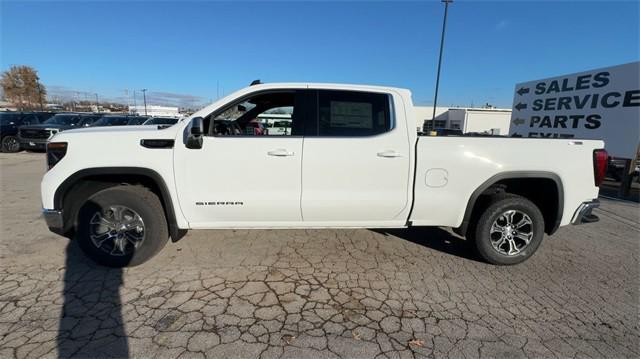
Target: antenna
[{"x": 255, "y": 82}]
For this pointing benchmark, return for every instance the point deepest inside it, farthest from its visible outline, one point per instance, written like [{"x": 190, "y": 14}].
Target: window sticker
[{"x": 351, "y": 114}]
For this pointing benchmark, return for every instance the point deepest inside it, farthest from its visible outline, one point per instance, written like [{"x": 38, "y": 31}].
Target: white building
[
  {"x": 490, "y": 120},
  {"x": 155, "y": 111},
  {"x": 425, "y": 113}
]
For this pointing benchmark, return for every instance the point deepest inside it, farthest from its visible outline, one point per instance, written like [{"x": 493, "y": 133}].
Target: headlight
[{"x": 55, "y": 152}]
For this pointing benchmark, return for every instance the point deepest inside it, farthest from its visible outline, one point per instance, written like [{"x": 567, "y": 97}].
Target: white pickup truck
[{"x": 351, "y": 160}]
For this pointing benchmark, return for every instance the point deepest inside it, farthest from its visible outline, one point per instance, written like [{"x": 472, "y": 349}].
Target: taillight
[
  {"x": 55, "y": 152},
  {"x": 600, "y": 159}
]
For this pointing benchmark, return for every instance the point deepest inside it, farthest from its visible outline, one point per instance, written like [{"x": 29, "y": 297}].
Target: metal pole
[
  {"x": 97, "y": 103},
  {"x": 444, "y": 26},
  {"x": 135, "y": 103},
  {"x": 126, "y": 95},
  {"x": 144, "y": 95}
]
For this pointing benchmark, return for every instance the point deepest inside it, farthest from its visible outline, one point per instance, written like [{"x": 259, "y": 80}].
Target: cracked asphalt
[{"x": 315, "y": 293}]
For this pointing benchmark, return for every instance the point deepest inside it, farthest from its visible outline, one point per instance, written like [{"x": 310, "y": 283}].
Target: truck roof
[{"x": 323, "y": 85}]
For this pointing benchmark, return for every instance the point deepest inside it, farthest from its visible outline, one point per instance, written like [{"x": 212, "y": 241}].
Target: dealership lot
[{"x": 314, "y": 293}]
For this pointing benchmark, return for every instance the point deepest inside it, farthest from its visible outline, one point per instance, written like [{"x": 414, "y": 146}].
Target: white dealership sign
[{"x": 597, "y": 104}]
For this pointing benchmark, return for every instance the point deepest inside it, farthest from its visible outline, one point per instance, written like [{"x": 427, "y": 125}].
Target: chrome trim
[
  {"x": 54, "y": 219},
  {"x": 584, "y": 211}
]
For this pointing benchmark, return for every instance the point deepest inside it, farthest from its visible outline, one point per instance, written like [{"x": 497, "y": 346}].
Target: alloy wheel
[
  {"x": 117, "y": 230},
  {"x": 511, "y": 232},
  {"x": 11, "y": 144}
]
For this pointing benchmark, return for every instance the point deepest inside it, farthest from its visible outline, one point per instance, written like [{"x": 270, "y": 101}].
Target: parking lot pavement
[{"x": 314, "y": 293}]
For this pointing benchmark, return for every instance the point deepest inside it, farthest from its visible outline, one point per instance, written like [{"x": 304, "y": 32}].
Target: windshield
[
  {"x": 63, "y": 120},
  {"x": 137, "y": 120},
  {"x": 111, "y": 121},
  {"x": 162, "y": 121},
  {"x": 7, "y": 118}
]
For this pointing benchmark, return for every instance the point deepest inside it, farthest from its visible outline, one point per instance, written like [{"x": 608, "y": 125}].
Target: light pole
[
  {"x": 135, "y": 103},
  {"x": 444, "y": 27},
  {"x": 144, "y": 95},
  {"x": 97, "y": 103}
]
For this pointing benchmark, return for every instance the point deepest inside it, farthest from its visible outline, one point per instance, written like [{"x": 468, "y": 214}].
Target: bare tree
[{"x": 22, "y": 87}]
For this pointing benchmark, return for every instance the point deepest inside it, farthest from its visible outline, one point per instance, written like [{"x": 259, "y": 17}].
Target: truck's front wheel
[
  {"x": 10, "y": 144},
  {"x": 122, "y": 226},
  {"x": 509, "y": 230}
]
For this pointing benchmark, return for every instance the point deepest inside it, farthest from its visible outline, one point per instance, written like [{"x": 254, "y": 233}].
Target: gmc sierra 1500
[{"x": 351, "y": 159}]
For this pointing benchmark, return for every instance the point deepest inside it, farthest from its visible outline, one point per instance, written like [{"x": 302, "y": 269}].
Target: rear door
[{"x": 356, "y": 164}]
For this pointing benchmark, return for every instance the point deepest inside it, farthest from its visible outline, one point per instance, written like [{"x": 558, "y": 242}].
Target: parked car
[
  {"x": 137, "y": 120},
  {"x": 161, "y": 121},
  {"x": 35, "y": 137},
  {"x": 616, "y": 167},
  {"x": 9, "y": 123},
  {"x": 361, "y": 166},
  {"x": 445, "y": 132},
  {"x": 119, "y": 120}
]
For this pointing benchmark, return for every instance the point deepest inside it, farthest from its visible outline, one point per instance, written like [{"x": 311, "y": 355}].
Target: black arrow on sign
[
  {"x": 520, "y": 106},
  {"x": 518, "y": 121},
  {"x": 523, "y": 90},
  {"x": 515, "y": 134}
]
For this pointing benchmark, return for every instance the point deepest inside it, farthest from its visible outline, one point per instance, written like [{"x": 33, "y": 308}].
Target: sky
[{"x": 191, "y": 52}]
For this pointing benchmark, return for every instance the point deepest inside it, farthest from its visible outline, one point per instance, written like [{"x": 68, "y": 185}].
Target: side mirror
[
  {"x": 196, "y": 130},
  {"x": 241, "y": 108}
]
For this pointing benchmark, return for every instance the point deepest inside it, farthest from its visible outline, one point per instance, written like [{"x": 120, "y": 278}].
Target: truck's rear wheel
[
  {"x": 122, "y": 226},
  {"x": 509, "y": 230}
]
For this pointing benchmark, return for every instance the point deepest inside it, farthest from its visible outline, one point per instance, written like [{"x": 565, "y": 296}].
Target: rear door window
[{"x": 352, "y": 114}]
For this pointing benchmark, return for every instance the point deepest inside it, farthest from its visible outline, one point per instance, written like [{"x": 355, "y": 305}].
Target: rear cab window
[{"x": 351, "y": 114}]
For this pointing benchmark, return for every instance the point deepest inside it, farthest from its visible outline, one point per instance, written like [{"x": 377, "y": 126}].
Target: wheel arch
[
  {"x": 82, "y": 184},
  {"x": 516, "y": 182}
]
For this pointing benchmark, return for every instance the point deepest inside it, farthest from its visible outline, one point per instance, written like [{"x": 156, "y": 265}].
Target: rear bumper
[
  {"x": 583, "y": 213},
  {"x": 54, "y": 220}
]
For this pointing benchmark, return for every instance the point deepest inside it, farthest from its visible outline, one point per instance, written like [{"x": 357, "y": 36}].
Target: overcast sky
[{"x": 188, "y": 53}]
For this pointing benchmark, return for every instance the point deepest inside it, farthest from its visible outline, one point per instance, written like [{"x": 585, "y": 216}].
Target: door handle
[
  {"x": 389, "y": 154},
  {"x": 280, "y": 152}
]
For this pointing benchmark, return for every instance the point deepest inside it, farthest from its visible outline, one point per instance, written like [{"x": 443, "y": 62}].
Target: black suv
[
  {"x": 9, "y": 123},
  {"x": 35, "y": 137}
]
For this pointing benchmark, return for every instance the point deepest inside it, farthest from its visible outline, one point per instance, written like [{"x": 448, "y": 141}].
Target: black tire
[
  {"x": 137, "y": 200},
  {"x": 10, "y": 144},
  {"x": 498, "y": 205}
]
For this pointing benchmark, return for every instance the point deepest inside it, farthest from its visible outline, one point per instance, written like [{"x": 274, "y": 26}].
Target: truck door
[
  {"x": 244, "y": 176},
  {"x": 356, "y": 164}
]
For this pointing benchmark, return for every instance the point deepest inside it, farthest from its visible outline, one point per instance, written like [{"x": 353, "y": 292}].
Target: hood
[
  {"x": 116, "y": 133},
  {"x": 117, "y": 129}
]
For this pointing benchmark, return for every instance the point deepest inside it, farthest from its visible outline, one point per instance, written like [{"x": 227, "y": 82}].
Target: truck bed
[{"x": 450, "y": 169}]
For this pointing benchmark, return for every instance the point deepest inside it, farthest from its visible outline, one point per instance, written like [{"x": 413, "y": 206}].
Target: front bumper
[
  {"x": 583, "y": 213},
  {"x": 54, "y": 220},
  {"x": 33, "y": 144}
]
